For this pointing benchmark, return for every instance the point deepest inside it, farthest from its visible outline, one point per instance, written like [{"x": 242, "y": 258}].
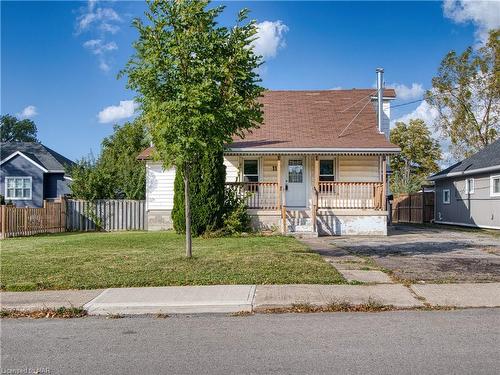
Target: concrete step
[
  {"x": 300, "y": 228},
  {"x": 310, "y": 234}
]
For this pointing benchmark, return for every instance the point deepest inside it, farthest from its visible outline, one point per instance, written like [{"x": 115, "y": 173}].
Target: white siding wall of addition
[
  {"x": 359, "y": 169},
  {"x": 386, "y": 118},
  {"x": 159, "y": 187},
  {"x": 232, "y": 168}
]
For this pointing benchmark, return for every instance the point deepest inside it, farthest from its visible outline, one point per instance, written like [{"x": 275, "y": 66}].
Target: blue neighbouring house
[{"x": 32, "y": 173}]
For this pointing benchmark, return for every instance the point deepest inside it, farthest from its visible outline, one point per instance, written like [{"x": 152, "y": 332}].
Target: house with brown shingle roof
[{"x": 317, "y": 164}]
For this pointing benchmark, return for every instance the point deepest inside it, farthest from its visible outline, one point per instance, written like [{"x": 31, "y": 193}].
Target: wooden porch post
[
  {"x": 316, "y": 174},
  {"x": 279, "y": 183},
  {"x": 316, "y": 192},
  {"x": 384, "y": 183}
]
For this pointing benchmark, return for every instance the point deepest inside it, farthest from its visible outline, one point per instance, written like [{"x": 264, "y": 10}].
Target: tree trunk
[{"x": 187, "y": 212}]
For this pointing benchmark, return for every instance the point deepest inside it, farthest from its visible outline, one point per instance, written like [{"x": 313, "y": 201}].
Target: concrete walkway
[
  {"x": 238, "y": 298},
  {"x": 352, "y": 267}
]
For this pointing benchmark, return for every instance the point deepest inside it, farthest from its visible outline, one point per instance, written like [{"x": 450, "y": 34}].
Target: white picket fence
[{"x": 106, "y": 215}]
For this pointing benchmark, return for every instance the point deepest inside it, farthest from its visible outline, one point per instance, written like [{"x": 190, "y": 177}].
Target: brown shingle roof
[{"x": 315, "y": 119}]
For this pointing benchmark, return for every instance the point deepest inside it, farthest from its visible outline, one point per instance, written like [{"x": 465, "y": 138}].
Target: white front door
[{"x": 295, "y": 182}]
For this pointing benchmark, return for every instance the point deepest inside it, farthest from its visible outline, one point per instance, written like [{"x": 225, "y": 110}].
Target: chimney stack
[{"x": 380, "y": 96}]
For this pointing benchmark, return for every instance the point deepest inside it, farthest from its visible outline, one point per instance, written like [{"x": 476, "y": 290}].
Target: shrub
[{"x": 236, "y": 218}]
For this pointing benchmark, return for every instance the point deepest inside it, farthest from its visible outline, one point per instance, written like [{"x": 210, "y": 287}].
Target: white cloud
[
  {"x": 113, "y": 113},
  {"x": 337, "y": 88},
  {"x": 100, "y": 21},
  {"x": 98, "y": 47},
  {"x": 485, "y": 15},
  {"x": 404, "y": 92},
  {"x": 270, "y": 38},
  {"x": 424, "y": 111},
  {"x": 28, "y": 112},
  {"x": 103, "y": 18}
]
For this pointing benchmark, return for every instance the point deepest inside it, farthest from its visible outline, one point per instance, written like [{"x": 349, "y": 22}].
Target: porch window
[
  {"x": 18, "y": 188},
  {"x": 326, "y": 170},
  {"x": 251, "y": 170}
]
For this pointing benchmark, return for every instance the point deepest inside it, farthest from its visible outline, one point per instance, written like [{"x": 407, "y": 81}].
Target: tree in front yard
[
  {"x": 466, "y": 93},
  {"x": 196, "y": 81},
  {"x": 419, "y": 156}
]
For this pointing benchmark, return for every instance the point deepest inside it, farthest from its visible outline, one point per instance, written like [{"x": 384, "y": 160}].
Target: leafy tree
[
  {"x": 206, "y": 193},
  {"x": 116, "y": 174},
  {"x": 89, "y": 181},
  {"x": 419, "y": 156},
  {"x": 119, "y": 158},
  {"x": 197, "y": 83},
  {"x": 14, "y": 130},
  {"x": 466, "y": 93}
]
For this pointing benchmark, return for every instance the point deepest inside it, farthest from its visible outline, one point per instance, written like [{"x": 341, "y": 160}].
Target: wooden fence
[
  {"x": 414, "y": 208},
  {"x": 106, "y": 215},
  {"x": 73, "y": 215},
  {"x": 27, "y": 221}
]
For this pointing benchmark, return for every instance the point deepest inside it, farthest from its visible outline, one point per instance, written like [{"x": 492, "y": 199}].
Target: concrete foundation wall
[
  {"x": 352, "y": 224},
  {"x": 265, "y": 220},
  {"x": 338, "y": 222},
  {"x": 159, "y": 220}
]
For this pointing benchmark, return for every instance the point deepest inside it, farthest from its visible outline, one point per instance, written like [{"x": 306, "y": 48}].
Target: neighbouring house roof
[
  {"x": 43, "y": 157},
  {"x": 488, "y": 159},
  {"x": 324, "y": 120}
]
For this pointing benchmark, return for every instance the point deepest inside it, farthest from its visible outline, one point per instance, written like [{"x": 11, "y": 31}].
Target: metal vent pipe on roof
[{"x": 380, "y": 96}]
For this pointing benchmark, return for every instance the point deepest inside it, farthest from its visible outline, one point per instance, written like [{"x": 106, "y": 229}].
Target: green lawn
[{"x": 102, "y": 260}]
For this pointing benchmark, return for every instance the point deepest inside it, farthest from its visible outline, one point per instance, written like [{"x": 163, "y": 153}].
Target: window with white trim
[
  {"x": 469, "y": 186},
  {"x": 495, "y": 186},
  {"x": 251, "y": 170},
  {"x": 446, "y": 196},
  {"x": 18, "y": 188},
  {"x": 327, "y": 170}
]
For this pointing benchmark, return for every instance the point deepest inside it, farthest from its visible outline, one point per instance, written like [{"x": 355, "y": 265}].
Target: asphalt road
[{"x": 445, "y": 342}]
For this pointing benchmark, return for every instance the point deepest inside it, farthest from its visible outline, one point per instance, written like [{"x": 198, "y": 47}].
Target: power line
[
  {"x": 363, "y": 98},
  {"x": 354, "y": 118},
  {"x": 408, "y": 103}
]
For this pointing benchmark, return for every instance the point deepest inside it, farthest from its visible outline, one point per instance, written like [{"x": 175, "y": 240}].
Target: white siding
[
  {"x": 232, "y": 168},
  {"x": 268, "y": 174},
  {"x": 386, "y": 118},
  {"x": 159, "y": 187},
  {"x": 359, "y": 168}
]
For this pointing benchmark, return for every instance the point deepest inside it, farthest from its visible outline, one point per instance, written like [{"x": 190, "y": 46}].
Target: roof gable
[
  {"x": 43, "y": 157},
  {"x": 488, "y": 157}
]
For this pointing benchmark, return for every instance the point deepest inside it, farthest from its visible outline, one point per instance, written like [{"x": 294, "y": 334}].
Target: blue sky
[{"x": 59, "y": 60}]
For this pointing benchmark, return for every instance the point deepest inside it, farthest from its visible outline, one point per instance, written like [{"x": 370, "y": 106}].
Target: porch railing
[
  {"x": 351, "y": 195},
  {"x": 261, "y": 195}
]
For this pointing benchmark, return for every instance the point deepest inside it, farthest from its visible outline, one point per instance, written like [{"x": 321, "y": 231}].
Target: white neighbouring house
[{"x": 317, "y": 165}]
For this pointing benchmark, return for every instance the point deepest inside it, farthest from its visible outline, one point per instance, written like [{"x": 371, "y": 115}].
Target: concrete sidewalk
[{"x": 238, "y": 298}]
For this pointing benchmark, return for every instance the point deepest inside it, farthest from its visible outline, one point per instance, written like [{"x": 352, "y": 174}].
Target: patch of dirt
[{"x": 445, "y": 269}]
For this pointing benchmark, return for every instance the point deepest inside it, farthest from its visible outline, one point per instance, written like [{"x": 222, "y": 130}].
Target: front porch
[{"x": 312, "y": 194}]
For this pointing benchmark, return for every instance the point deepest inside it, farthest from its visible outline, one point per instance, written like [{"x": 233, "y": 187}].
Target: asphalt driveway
[{"x": 427, "y": 254}]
